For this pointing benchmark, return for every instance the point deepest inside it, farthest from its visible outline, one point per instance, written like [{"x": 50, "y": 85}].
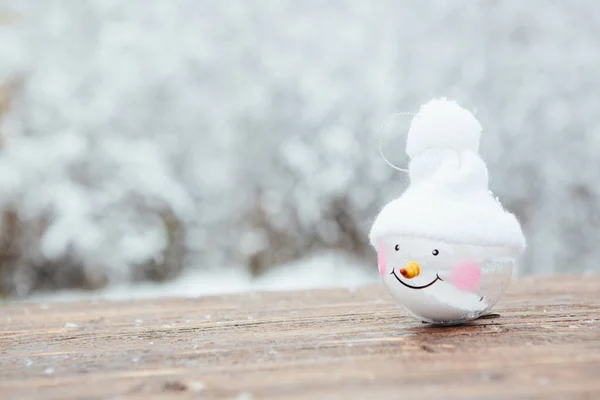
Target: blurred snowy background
[{"x": 220, "y": 146}]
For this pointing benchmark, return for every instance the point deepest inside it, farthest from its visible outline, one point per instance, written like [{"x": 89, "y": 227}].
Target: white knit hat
[{"x": 448, "y": 198}]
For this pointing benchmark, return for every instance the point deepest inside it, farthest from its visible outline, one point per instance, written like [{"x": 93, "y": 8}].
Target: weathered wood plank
[{"x": 304, "y": 345}]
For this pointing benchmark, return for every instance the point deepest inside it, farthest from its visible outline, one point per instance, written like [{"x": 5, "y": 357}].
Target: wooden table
[{"x": 322, "y": 344}]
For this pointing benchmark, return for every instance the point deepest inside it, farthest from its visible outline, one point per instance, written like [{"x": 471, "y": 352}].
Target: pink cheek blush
[
  {"x": 466, "y": 276},
  {"x": 381, "y": 260}
]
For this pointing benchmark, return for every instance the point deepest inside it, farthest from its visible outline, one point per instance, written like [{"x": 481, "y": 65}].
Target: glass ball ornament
[
  {"x": 446, "y": 248},
  {"x": 444, "y": 283}
]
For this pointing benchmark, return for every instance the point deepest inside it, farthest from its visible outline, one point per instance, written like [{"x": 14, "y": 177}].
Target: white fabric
[
  {"x": 448, "y": 198},
  {"x": 442, "y": 123}
]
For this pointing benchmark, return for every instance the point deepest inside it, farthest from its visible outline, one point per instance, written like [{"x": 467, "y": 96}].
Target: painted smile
[{"x": 437, "y": 278}]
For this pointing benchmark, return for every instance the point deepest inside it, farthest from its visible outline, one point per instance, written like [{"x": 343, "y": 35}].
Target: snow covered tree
[{"x": 243, "y": 134}]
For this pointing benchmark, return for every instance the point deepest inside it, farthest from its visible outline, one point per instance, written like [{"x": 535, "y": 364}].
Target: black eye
[
  {"x": 435, "y": 252},
  {"x": 397, "y": 247}
]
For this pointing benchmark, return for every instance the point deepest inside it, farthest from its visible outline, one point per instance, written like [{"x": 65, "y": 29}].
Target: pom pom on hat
[
  {"x": 442, "y": 123},
  {"x": 448, "y": 198}
]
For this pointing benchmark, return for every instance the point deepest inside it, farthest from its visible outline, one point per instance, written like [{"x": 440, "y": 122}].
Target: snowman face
[{"x": 443, "y": 282}]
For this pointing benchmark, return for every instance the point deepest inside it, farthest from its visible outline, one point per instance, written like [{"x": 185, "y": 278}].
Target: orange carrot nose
[{"x": 411, "y": 270}]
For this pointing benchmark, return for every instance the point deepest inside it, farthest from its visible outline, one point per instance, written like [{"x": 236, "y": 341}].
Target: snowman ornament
[{"x": 446, "y": 247}]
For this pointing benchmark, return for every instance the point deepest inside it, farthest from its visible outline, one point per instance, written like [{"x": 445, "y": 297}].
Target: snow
[
  {"x": 244, "y": 396},
  {"x": 218, "y": 139},
  {"x": 324, "y": 270}
]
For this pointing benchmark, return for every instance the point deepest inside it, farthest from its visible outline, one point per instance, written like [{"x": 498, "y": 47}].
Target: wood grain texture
[{"x": 322, "y": 344}]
